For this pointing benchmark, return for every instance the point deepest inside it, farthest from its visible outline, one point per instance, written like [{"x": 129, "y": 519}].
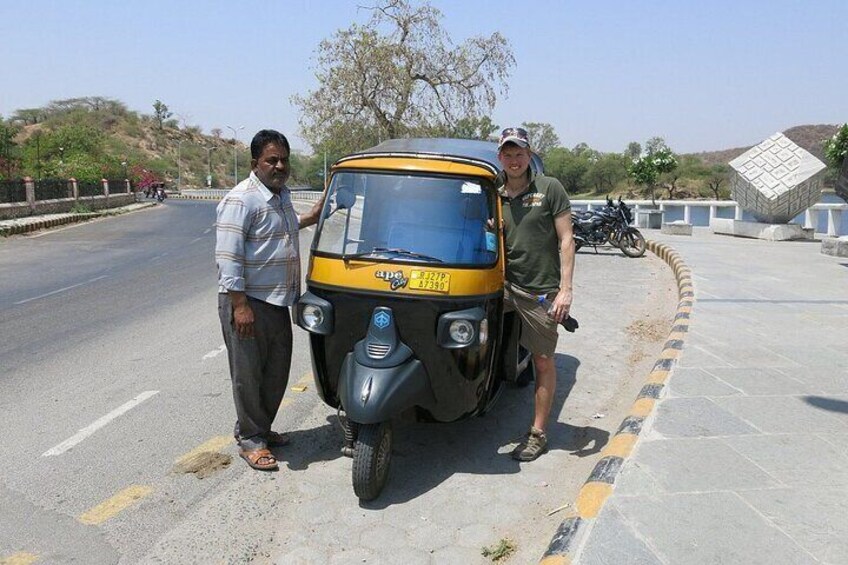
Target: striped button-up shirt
[{"x": 257, "y": 249}]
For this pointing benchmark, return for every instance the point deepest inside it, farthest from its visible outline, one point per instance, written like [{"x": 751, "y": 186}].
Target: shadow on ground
[{"x": 427, "y": 454}]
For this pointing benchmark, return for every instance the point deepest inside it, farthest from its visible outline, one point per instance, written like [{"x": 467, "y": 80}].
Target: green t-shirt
[{"x": 532, "y": 245}]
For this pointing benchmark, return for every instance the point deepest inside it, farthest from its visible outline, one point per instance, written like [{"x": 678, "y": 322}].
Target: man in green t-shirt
[{"x": 539, "y": 263}]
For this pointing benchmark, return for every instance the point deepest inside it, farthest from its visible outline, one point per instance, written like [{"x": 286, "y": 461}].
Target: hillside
[
  {"x": 809, "y": 137},
  {"x": 93, "y": 137}
]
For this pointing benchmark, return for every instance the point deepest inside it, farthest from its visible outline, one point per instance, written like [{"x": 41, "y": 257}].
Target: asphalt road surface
[{"x": 113, "y": 375}]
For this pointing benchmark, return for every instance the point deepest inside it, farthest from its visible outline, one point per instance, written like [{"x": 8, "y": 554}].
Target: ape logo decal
[{"x": 395, "y": 279}]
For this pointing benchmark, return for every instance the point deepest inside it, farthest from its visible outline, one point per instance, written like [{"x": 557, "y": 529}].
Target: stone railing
[
  {"x": 111, "y": 197},
  {"x": 700, "y": 212}
]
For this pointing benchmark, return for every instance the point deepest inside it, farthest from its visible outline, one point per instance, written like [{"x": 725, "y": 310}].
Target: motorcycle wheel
[
  {"x": 632, "y": 243},
  {"x": 372, "y": 454}
]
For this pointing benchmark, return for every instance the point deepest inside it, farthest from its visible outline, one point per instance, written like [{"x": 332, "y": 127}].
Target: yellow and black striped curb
[
  {"x": 45, "y": 223},
  {"x": 565, "y": 543},
  {"x": 26, "y": 227}
]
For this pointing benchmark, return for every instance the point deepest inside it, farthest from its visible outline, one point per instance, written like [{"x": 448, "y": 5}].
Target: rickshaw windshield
[{"x": 408, "y": 218}]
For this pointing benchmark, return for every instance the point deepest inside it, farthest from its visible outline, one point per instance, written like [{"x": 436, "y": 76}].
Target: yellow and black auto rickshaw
[{"x": 404, "y": 299}]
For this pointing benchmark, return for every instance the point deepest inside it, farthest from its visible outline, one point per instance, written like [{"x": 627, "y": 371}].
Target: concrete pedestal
[
  {"x": 650, "y": 219},
  {"x": 759, "y": 230},
  {"x": 677, "y": 228},
  {"x": 836, "y": 246}
]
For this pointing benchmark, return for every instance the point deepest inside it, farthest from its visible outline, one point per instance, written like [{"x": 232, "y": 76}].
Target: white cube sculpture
[{"x": 776, "y": 180}]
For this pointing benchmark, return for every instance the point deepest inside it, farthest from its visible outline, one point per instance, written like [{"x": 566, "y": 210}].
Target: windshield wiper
[{"x": 395, "y": 251}]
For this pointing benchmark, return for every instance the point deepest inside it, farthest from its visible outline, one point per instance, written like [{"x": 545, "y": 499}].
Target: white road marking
[
  {"x": 97, "y": 424},
  {"x": 60, "y": 290},
  {"x": 207, "y": 230},
  {"x": 215, "y": 352},
  {"x": 195, "y": 240}
]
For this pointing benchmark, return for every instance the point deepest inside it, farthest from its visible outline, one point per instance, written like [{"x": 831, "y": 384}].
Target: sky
[{"x": 703, "y": 74}]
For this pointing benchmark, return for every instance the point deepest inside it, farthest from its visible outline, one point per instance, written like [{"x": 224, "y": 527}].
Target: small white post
[
  {"x": 738, "y": 214},
  {"x": 833, "y": 217},
  {"x": 687, "y": 214},
  {"x": 811, "y": 219},
  {"x": 713, "y": 212}
]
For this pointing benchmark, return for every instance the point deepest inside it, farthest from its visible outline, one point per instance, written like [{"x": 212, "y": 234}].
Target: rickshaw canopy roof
[{"x": 480, "y": 153}]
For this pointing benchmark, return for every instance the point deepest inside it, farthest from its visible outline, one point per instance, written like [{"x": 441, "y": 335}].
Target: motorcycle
[
  {"x": 160, "y": 193},
  {"x": 610, "y": 225}
]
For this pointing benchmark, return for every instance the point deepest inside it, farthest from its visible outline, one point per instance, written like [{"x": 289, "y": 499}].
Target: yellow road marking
[
  {"x": 299, "y": 386},
  {"x": 217, "y": 443},
  {"x": 21, "y": 558},
  {"x": 113, "y": 506}
]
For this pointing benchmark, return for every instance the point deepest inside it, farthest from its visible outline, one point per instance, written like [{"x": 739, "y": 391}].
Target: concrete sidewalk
[{"x": 745, "y": 458}]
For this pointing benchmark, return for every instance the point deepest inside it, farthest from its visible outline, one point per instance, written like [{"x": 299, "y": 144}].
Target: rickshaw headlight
[
  {"x": 313, "y": 316},
  {"x": 484, "y": 331},
  {"x": 461, "y": 331}
]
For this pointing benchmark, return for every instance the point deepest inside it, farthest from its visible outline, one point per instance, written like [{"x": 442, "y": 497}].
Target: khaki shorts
[{"x": 538, "y": 330}]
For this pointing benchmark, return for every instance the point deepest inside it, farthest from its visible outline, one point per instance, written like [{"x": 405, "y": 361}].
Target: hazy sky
[{"x": 702, "y": 74}]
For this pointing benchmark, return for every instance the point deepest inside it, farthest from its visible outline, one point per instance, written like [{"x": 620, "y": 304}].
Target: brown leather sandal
[
  {"x": 259, "y": 459},
  {"x": 277, "y": 439}
]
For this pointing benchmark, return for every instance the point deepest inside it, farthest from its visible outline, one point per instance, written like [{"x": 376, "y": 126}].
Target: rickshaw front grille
[{"x": 377, "y": 350}]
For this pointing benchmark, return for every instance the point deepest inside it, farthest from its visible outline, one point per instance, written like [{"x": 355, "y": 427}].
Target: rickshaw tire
[{"x": 372, "y": 456}]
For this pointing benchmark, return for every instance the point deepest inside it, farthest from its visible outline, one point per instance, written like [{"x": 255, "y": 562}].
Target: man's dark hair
[{"x": 264, "y": 137}]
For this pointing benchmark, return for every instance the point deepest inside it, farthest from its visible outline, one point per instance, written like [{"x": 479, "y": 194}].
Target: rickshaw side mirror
[{"x": 345, "y": 198}]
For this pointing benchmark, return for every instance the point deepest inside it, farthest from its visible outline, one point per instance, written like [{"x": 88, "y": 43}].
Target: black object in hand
[{"x": 570, "y": 324}]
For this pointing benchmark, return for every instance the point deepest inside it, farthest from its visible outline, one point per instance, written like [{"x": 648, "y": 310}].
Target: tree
[
  {"x": 542, "y": 136},
  {"x": 836, "y": 148},
  {"x": 718, "y": 174},
  {"x": 398, "y": 75},
  {"x": 29, "y": 116},
  {"x": 607, "y": 171},
  {"x": 481, "y": 128},
  {"x": 633, "y": 151},
  {"x": 646, "y": 170},
  {"x": 216, "y": 133},
  {"x": 8, "y": 149},
  {"x": 568, "y": 167},
  {"x": 655, "y": 145},
  {"x": 161, "y": 112}
]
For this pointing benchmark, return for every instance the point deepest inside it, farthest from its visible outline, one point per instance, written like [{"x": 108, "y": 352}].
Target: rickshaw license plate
[{"x": 433, "y": 281}]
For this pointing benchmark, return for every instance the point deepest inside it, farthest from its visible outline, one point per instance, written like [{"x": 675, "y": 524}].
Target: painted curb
[
  {"x": 43, "y": 224},
  {"x": 38, "y": 225},
  {"x": 573, "y": 531}
]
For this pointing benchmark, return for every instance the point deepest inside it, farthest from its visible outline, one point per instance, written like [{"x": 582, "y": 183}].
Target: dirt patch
[
  {"x": 203, "y": 464},
  {"x": 651, "y": 329}
]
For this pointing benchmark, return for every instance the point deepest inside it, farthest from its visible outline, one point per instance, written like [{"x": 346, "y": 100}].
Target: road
[{"x": 112, "y": 372}]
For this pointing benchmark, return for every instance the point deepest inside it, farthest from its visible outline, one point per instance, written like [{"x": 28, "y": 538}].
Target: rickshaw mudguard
[{"x": 371, "y": 395}]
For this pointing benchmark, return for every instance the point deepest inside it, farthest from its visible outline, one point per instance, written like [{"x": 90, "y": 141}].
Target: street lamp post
[
  {"x": 124, "y": 165},
  {"x": 209, "y": 151},
  {"x": 235, "y": 152}
]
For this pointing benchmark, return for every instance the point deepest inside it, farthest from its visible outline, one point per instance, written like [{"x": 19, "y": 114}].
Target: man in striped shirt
[{"x": 258, "y": 258}]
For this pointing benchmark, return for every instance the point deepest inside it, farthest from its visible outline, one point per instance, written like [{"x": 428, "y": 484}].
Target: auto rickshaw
[{"x": 404, "y": 299}]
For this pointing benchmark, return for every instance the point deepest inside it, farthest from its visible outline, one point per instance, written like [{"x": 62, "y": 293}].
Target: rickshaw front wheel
[{"x": 372, "y": 455}]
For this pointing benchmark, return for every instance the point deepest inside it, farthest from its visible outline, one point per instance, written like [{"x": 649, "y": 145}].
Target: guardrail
[
  {"x": 700, "y": 212},
  {"x": 695, "y": 212}
]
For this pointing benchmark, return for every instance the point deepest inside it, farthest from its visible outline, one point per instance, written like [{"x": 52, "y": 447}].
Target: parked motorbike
[{"x": 609, "y": 225}]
